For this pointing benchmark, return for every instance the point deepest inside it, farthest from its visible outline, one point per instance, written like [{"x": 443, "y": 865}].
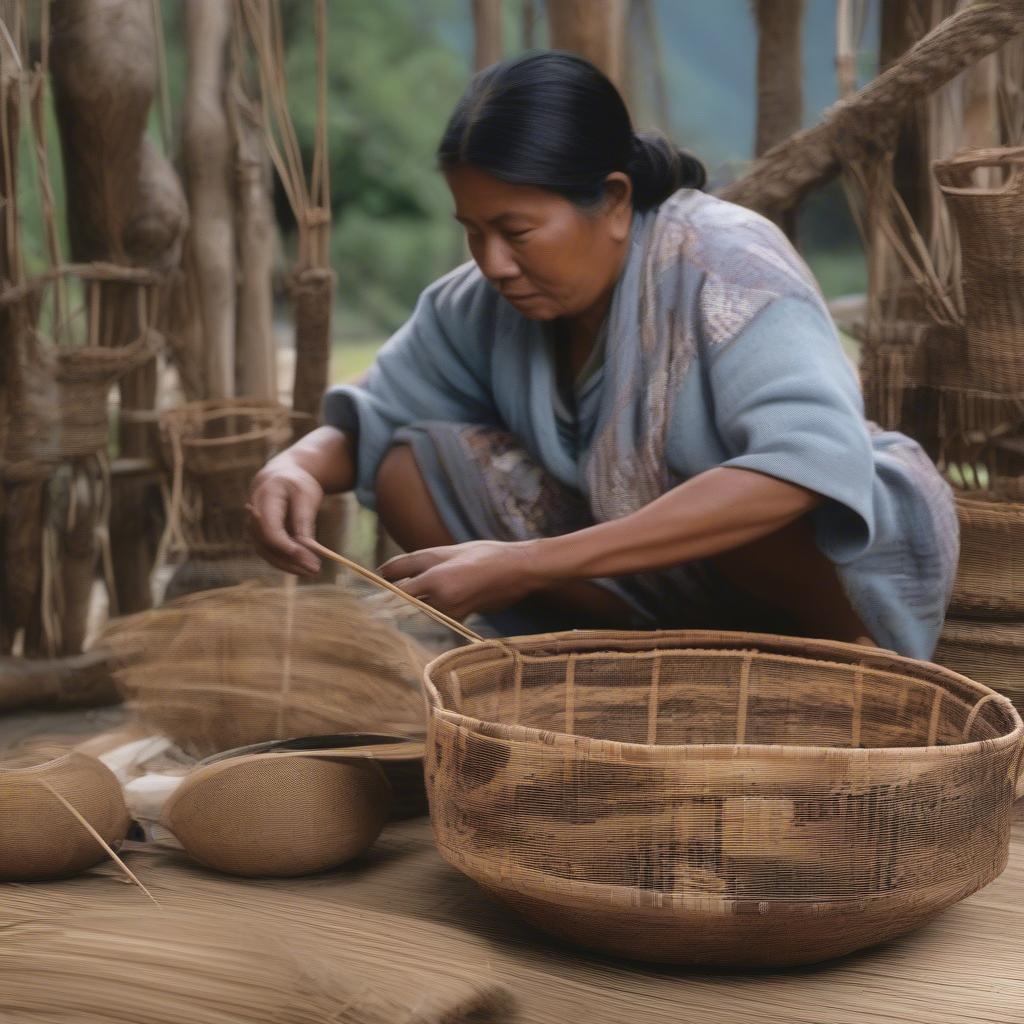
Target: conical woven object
[
  {"x": 40, "y": 838},
  {"x": 194, "y": 966},
  {"x": 277, "y": 814},
  {"x": 990, "y": 223},
  {"x": 226, "y": 668},
  {"x": 990, "y": 577},
  {"x": 711, "y": 798}
]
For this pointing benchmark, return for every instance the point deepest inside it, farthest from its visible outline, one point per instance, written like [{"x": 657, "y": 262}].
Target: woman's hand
[
  {"x": 283, "y": 503},
  {"x": 480, "y": 576}
]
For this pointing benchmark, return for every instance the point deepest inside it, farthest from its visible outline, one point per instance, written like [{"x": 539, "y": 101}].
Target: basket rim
[{"x": 698, "y": 640}]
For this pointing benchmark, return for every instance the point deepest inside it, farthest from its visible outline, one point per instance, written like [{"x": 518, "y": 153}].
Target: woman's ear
[{"x": 619, "y": 204}]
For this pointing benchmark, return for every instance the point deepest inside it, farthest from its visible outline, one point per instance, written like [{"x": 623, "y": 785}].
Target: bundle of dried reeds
[
  {"x": 240, "y": 665},
  {"x": 194, "y": 966}
]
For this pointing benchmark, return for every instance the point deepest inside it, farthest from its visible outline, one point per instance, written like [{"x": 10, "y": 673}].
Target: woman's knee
[
  {"x": 404, "y": 504},
  {"x": 396, "y": 474}
]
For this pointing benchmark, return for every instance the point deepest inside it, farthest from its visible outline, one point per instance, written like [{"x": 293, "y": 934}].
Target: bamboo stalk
[{"x": 368, "y": 574}]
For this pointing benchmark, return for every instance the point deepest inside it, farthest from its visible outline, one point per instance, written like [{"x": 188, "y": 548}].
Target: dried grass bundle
[
  {"x": 226, "y": 668},
  {"x": 40, "y": 837},
  {"x": 193, "y": 966}
]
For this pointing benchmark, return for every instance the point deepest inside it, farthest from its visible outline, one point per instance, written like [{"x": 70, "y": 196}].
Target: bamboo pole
[{"x": 207, "y": 157}]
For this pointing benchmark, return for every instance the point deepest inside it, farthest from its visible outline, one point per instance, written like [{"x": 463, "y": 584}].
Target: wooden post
[
  {"x": 10, "y": 271},
  {"x": 208, "y": 173},
  {"x": 595, "y": 29},
  {"x": 487, "y": 33},
  {"x": 255, "y": 345}
]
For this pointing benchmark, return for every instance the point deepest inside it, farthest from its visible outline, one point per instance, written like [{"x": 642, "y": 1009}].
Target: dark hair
[{"x": 553, "y": 120}]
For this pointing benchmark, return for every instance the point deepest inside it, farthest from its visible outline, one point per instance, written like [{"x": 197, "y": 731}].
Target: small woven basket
[
  {"x": 990, "y": 223},
  {"x": 719, "y": 799},
  {"x": 214, "y": 449},
  {"x": 40, "y": 838},
  {"x": 990, "y": 576},
  {"x": 991, "y": 652}
]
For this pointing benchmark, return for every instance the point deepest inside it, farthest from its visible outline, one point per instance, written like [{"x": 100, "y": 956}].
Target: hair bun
[{"x": 658, "y": 169}]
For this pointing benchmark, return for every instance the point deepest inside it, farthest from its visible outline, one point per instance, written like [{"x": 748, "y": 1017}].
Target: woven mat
[{"x": 403, "y": 916}]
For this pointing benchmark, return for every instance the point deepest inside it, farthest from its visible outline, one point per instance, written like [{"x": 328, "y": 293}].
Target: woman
[{"x": 630, "y": 409}]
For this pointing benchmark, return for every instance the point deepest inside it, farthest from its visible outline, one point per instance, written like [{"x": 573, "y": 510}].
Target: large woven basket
[
  {"x": 990, "y": 576},
  {"x": 714, "y": 798},
  {"x": 991, "y": 652},
  {"x": 990, "y": 223}
]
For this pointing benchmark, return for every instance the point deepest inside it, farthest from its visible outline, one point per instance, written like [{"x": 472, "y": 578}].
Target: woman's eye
[{"x": 518, "y": 235}]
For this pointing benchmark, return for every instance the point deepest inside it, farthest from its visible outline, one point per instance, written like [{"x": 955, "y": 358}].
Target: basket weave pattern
[
  {"x": 716, "y": 798},
  {"x": 990, "y": 223},
  {"x": 990, "y": 576}
]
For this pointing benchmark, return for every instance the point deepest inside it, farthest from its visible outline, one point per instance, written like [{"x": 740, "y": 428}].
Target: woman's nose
[{"x": 496, "y": 261}]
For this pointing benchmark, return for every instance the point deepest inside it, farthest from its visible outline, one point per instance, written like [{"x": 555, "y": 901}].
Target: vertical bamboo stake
[{"x": 207, "y": 153}]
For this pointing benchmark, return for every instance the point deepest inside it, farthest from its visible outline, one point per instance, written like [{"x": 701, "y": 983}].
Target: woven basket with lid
[{"x": 712, "y": 798}]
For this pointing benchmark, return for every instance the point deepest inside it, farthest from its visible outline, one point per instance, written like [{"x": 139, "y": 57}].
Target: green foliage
[{"x": 392, "y": 80}]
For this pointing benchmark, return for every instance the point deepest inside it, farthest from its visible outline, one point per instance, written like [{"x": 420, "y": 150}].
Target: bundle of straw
[
  {"x": 240, "y": 665},
  {"x": 190, "y": 965}
]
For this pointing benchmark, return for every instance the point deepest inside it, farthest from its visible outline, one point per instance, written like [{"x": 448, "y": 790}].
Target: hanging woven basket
[
  {"x": 990, "y": 577},
  {"x": 990, "y": 223},
  {"x": 719, "y": 799}
]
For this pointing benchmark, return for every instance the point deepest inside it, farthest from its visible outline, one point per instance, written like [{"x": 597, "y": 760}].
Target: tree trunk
[
  {"x": 487, "y": 48},
  {"x": 780, "y": 97},
  {"x": 529, "y": 24},
  {"x": 864, "y": 124},
  {"x": 208, "y": 173},
  {"x": 595, "y": 29},
  {"x": 125, "y": 206}
]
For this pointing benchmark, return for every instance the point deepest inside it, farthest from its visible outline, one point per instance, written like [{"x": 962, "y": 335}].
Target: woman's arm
[
  {"x": 288, "y": 490},
  {"x": 714, "y": 512}
]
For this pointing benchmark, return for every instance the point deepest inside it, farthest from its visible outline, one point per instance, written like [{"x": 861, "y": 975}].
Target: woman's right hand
[{"x": 283, "y": 502}]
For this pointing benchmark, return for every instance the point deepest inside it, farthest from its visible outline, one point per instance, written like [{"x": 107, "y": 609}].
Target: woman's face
[{"x": 544, "y": 254}]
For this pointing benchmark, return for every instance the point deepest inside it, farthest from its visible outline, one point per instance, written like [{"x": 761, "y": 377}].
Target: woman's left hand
[{"x": 479, "y": 576}]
